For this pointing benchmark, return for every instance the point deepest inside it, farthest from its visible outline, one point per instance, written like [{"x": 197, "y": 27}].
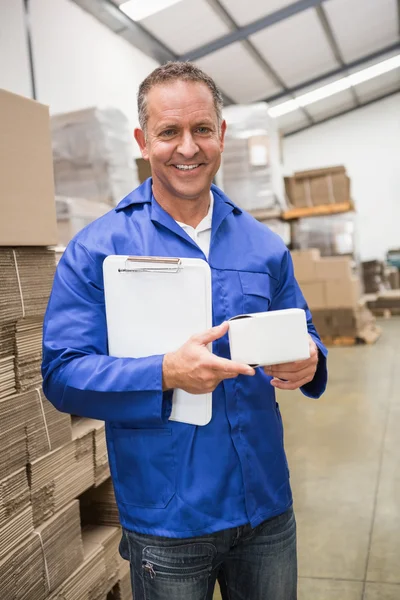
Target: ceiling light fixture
[
  {"x": 138, "y": 10},
  {"x": 335, "y": 87}
]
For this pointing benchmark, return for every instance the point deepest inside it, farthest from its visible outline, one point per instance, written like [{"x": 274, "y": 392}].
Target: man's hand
[
  {"x": 295, "y": 374},
  {"x": 195, "y": 369}
]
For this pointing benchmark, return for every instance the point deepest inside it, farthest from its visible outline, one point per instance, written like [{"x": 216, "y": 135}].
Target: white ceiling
[
  {"x": 363, "y": 26},
  {"x": 296, "y": 48},
  {"x": 182, "y": 26},
  {"x": 234, "y": 64}
]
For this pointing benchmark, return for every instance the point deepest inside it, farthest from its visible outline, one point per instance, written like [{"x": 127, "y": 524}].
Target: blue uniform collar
[{"x": 143, "y": 194}]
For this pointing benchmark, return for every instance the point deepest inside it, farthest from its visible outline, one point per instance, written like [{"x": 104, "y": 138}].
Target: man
[{"x": 193, "y": 501}]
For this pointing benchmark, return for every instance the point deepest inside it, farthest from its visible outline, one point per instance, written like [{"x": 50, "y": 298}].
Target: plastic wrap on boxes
[
  {"x": 279, "y": 227},
  {"x": 332, "y": 235},
  {"x": 251, "y": 171},
  {"x": 93, "y": 155},
  {"x": 73, "y": 214}
]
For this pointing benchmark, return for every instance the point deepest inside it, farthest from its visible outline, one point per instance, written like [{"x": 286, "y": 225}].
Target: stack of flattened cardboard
[
  {"x": 6, "y": 340},
  {"x": 28, "y": 353},
  {"x": 39, "y": 564},
  {"x": 89, "y": 581},
  {"x": 61, "y": 475},
  {"x": 15, "y": 530},
  {"x": 15, "y": 412},
  {"x": 123, "y": 589},
  {"x": 14, "y": 496},
  {"x": 53, "y": 428},
  {"x": 29, "y": 427},
  {"x": 7, "y": 377},
  {"x": 27, "y": 276},
  {"x": 98, "y": 506},
  {"x": 62, "y": 545},
  {"x": 100, "y": 456},
  {"x": 22, "y": 573},
  {"x": 333, "y": 294},
  {"x": 108, "y": 538},
  {"x": 15, "y": 520},
  {"x": 7, "y": 371},
  {"x": 101, "y": 467}
]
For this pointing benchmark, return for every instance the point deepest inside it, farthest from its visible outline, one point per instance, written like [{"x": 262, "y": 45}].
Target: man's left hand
[{"x": 293, "y": 375}]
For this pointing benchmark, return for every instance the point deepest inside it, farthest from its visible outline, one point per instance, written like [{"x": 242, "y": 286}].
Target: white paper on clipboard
[{"x": 153, "y": 306}]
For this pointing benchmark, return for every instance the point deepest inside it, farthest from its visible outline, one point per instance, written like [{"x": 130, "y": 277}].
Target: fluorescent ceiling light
[
  {"x": 140, "y": 9},
  {"x": 335, "y": 87}
]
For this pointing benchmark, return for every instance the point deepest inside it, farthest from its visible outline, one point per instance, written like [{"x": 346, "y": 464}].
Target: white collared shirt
[{"x": 202, "y": 233}]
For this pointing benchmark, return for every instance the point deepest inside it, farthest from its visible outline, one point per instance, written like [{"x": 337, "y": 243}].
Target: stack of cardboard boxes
[
  {"x": 251, "y": 169},
  {"x": 93, "y": 155},
  {"x": 333, "y": 294},
  {"x": 316, "y": 187},
  {"x": 379, "y": 276},
  {"x": 46, "y": 462}
]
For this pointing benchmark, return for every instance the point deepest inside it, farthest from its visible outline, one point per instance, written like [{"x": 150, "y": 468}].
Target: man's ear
[
  {"x": 222, "y": 136},
  {"x": 141, "y": 140}
]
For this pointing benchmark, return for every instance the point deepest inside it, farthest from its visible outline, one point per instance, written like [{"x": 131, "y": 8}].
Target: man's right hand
[{"x": 195, "y": 369}]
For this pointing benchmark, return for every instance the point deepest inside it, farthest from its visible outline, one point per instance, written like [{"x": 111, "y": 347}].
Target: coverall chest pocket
[
  {"x": 145, "y": 466},
  {"x": 257, "y": 291}
]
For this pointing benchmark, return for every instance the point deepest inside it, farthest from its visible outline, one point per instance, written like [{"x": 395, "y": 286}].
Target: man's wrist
[{"x": 167, "y": 378}]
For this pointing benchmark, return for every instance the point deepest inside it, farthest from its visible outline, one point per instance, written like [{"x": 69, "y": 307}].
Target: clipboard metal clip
[{"x": 164, "y": 265}]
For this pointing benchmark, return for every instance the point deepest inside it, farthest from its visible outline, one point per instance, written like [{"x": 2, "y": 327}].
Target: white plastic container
[{"x": 269, "y": 338}]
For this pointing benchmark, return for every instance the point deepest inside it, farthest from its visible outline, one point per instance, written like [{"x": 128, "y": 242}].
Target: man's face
[{"x": 184, "y": 142}]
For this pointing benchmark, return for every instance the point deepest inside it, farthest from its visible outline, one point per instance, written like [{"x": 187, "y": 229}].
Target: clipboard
[{"x": 153, "y": 306}]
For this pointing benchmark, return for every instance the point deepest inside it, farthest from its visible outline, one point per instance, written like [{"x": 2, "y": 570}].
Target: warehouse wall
[
  {"x": 14, "y": 70},
  {"x": 367, "y": 142},
  {"x": 78, "y": 61}
]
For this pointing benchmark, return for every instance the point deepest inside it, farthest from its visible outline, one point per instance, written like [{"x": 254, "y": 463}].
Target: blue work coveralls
[{"x": 170, "y": 478}]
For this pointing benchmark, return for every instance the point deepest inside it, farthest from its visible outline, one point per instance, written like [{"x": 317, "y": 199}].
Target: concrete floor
[{"x": 344, "y": 456}]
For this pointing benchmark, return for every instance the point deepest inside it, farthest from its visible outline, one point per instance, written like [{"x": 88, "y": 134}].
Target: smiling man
[{"x": 194, "y": 502}]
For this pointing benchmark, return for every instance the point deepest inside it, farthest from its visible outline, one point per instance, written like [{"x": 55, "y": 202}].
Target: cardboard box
[
  {"x": 315, "y": 294},
  {"x": 27, "y": 208},
  {"x": 144, "y": 169},
  {"x": 333, "y": 267},
  {"x": 322, "y": 320},
  {"x": 351, "y": 322},
  {"x": 304, "y": 264},
  {"x": 343, "y": 293},
  {"x": 318, "y": 186}
]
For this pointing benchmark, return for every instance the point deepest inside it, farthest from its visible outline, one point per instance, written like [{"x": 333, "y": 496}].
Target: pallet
[
  {"x": 317, "y": 211},
  {"x": 386, "y": 313},
  {"x": 369, "y": 336}
]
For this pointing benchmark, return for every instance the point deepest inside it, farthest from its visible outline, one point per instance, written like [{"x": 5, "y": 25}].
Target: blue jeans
[{"x": 255, "y": 564}]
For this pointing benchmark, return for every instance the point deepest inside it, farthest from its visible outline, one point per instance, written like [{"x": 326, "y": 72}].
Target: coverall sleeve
[
  {"x": 78, "y": 375},
  {"x": 288, "y": 295}
]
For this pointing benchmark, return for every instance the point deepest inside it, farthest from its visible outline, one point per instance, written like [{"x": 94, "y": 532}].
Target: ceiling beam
[
  {"x": 330, "y": 36},
  {"x": 398, "y": 13},
  {"x": 339, "y": 71},
  {"x": 110, "y": 15},
  {"x": 344, "y": 112},
  {"x": 241, "y": 33},
  {"x": 220, "y": 10}
]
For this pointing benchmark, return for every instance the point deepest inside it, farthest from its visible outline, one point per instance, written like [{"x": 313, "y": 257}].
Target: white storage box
[{"x": 269, "y": 338}]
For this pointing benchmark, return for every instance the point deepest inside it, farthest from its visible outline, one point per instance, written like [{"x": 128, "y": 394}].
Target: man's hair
[{"x": 176, "y": 71}]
